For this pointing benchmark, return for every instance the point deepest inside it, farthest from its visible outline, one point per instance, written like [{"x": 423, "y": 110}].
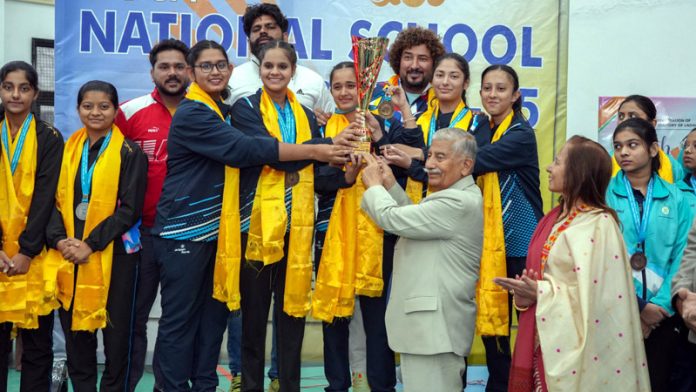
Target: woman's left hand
[
  {"x": 353, "y": 167},
  {"x": 371, "y": 123},
  {"x": 398, "y": 98},
  {"x": 524, "y": 287},
  {"x": 19, "y": 265},
  {"x": 79, "y": 253}
]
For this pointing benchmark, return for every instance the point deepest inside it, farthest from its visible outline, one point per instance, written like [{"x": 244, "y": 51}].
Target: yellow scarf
[
  {"x": 492, "y": 316},
  {"x": 351, "y": 262},
  {"x": 414, "y": 189},
  {"x": 21, "y": 297},
  {"x": 269, "y": 218},
  {"x": 92, "y": 288},
  {"x": 665, "y": 172},
  {"x": 229, "y": 249}
]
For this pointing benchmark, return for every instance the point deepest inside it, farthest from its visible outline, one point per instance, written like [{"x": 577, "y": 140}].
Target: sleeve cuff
[{"x": 93, "y": 245}]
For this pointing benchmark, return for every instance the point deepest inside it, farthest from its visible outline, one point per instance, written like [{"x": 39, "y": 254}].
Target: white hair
[{"x": 463, "y": 143}]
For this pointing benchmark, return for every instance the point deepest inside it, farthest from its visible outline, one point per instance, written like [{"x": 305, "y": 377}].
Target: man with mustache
[
  {"x": 431, "y": 314},
  {"x": 411, "y": 56},
  {"x": 146, "y": 121},
  {"x": 263, "y": 23}
]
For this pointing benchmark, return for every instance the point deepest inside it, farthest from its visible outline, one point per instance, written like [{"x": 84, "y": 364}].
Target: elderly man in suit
[{"x": 431, "y": 310}]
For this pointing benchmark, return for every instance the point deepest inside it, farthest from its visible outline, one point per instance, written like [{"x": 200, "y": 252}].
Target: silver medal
[{"x": 81, "y": 211}]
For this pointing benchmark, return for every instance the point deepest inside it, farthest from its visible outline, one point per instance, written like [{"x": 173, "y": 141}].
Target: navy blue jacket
[
  {"x": 200, "y": 145},
  {"x": 328, "y": 179},
  {"x": 515, "y": 151},
  {"x": 246, "y": 115}
]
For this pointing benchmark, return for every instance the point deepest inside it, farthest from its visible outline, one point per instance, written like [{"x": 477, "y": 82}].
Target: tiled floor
[{"x": 312, "y": 380}]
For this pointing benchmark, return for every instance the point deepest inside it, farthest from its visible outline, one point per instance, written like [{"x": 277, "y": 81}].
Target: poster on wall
[
  {"x": 675, "y": 118},
  {"x": 110, "y": 40}
]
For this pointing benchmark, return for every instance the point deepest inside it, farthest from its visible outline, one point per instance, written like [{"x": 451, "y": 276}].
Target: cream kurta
[{"x": 587, "y": 314}]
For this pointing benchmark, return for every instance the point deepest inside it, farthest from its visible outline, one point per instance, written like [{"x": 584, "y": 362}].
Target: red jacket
[{"x": 146, "y": 120}]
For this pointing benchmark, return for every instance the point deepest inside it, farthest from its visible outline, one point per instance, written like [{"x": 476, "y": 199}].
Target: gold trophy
[{"x": 368, "y": 54}]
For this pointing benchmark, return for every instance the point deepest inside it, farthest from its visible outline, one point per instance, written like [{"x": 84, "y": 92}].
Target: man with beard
[
  {"x": 411, "y": 56},
  {"x": 263, "y": 23},
  {"x": 146, "y": 121}
]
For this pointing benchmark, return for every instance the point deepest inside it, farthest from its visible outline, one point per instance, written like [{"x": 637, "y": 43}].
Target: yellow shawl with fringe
[
  {"x": 665, "y": 172},
  {"x": 351, "y": 262},
  {"x": 91, "y": 290},
  {"x": 492, "y": 316},
  {"x": 22, "y": 297},
  {"x": 229, "y": 249},
  {"x": 269, "y": 218},
  {"x": 414, "y": 189}
]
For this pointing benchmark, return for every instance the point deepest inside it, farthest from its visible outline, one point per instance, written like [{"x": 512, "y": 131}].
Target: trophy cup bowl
[{"x": 368, "y": 54}]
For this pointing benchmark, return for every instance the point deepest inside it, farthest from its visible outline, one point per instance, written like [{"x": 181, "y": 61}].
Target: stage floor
[{"x": 312, "y": 379}]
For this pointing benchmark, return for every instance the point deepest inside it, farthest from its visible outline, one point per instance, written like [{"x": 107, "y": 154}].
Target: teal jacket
[
  {"x": 669, "y": 222},
  {"x": 688, "y": 192}
]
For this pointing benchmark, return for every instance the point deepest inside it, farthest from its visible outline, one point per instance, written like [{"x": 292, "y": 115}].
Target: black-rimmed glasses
[{"x": 208, "y": 67}]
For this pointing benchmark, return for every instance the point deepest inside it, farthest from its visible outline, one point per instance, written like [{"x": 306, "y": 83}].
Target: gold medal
[{"x": 385, "y": 108}]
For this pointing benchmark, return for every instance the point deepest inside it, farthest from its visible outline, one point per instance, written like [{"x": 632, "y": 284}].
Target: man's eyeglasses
[{"x": 208, "y": 67}]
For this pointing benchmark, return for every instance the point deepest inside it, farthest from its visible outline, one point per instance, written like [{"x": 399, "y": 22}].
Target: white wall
[
  {"x": 622, "y": 47},
  {"x": 21, "y": 22},
  {"x": 2, "y": 30}
]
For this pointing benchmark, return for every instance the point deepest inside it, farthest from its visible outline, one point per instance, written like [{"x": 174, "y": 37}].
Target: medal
[
  {"x": 86, "y": 174},
  {"x": 453, "y": 122},
  {"x": 18, "y": 143},
  {"x": 385, "y": 108},
  {"x": 81, "y": 211},
  {"x": 291, "y": 179},
  {"x": 638, "y": 261}
]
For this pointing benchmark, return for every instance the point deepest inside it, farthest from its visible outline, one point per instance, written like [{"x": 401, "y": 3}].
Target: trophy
[{"x": 368, "y": 54}]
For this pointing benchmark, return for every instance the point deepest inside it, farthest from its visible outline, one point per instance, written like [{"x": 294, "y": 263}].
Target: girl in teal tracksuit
[
  {"x": 688, "y": 160},
  {"x": 683, "y": 377},
  {"x": 655, "y": 218}
]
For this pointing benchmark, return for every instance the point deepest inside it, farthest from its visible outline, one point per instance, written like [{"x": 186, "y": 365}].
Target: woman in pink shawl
[{"x": 579, "y": 328}]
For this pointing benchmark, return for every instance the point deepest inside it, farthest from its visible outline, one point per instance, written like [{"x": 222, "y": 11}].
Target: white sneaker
[{"x": 59, "y": 375}]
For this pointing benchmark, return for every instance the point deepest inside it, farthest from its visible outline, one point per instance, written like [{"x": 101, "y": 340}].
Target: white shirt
[{"x": 308, "y": 86}]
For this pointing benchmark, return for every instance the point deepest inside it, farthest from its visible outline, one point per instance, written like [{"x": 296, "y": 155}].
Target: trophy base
[
  {"x": 364, "y": 147},
  {"x": 365, "y": 142}
]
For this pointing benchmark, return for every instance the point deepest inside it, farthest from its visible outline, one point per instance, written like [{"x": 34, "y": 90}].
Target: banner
[
  {"x": 675, "y": 118},
  {"x": 109, "y": 40}
]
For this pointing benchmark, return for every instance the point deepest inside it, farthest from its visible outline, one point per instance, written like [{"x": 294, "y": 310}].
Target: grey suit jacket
[
  {"x": 686, "y": 277},
  {"x": 431, "y": 308}
]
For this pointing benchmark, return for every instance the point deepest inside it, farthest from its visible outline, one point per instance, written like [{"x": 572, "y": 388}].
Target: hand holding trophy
[{"x": 368, "y": 54}]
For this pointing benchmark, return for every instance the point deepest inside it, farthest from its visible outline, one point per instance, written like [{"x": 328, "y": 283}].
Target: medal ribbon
[
  {"x": 18, "y": 143},
  {"x": 640, "y": 223},
  {"x": 433, "y": 121},
  {"x": 85, "y": 174},
  {"x": 286, "y": 122}
]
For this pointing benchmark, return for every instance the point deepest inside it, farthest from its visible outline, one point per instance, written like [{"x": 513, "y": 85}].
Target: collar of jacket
[{"x": 660, "y": 190}]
